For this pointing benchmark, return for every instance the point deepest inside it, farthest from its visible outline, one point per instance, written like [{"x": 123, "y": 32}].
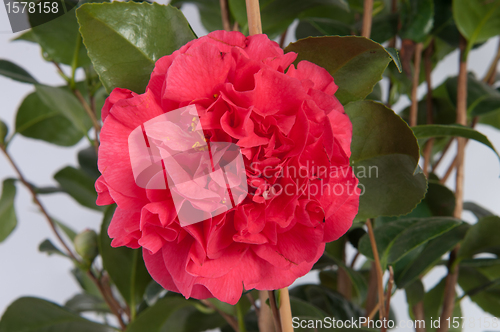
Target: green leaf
[
  {"x": 301, "y": 308},
  {"x": 59, "y": 38},
  {"x": 4, "y": 131},
  {"x": 87, "y": 159},
  {"x": 78, "y": 185},
  {"x": 66, "y": 104},
  {"x": 11, "y": 70},
  {"x": 428, "y": 131},
  {"x": 85, "y": 282},
  {"x": 414, "y": 292},
  {"x": 48, "y": 247},
  {"x": 28, "y": 36},
  {"x": 477, "y": 210},
  {"x": 484, "y": 291},
  {"x": 384, "y": 158},
  {"x": 155, "y": 318},
  {"x": 65, "y": 228},
  {"x": 417, "y": 18},
  {"x": 86, "y": 303},
  {"x": 430, "y": 256},
  {"x": 125, "y": 266},
  {"x": 124, "y": 41},
  {"x": 356, "y": 63},
  {"x": 396, "y": 239},
  {"x": 7, "y": 210},
  {"x": 45, "y": 316},
  {"x": 477, "y": 20},
  {"x": 482, "y": 237},
  {"x": 34, "y": 118}
]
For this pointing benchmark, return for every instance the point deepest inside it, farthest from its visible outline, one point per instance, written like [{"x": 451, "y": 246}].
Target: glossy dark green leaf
[
  {"x": 396, "y": 239},
  {"x": 384, "y": 158},
  {"x": 332, "y": 303},
  {"x": 86, "y": 303},
  {"x": 155, "y": 318},
  {"x": 430, "y": 256},
  {"x": 414, "y": 292},
  {"x": 477, "y": 20},
  {"x": 192, "y": 319},
  {"x": 87, "y": 159},
  {"x": 356, "y": 63},
  {"x": 65, "y": 103},
  {"x": 482, "y": 237},
  {"x": 49, "y": 248},
  {"x": 45, "y": 316},
  {"x": 482, "y": 290},
  {"x": 13, "y": 71},
  {"x": 479, "y": 211},
  {"x": 59, "y": 38},
  {"x": 125, "y": 266},
  {"x": 78, "y": 185},
  {"x": 124, "y": 39},
  {"x": 34, "y": 117},
  {"x": 301, "y": 308},
  {"x": 428, "y": 131},
  {"x": 417, "y": 18},
  {"x": 85, "y": 282},
  {"x": 8, "y": 218},
  {"x": 316, "y": 27}
]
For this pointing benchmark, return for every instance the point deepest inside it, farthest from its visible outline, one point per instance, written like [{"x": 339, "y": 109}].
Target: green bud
[
  {"x": 3, "y": 132},
  {"x": 86, "y": 245}
]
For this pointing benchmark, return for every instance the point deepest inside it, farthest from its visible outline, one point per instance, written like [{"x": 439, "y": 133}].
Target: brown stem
[
  {"x": 372, "y": 314},
  {"x": 274, "y": 309},
  {"x": 39, "y": 203},
  {"x": 492, "y": 71},
  {"x": 428, "y": 78},
  {"x": 224, "y": 12},
  {"x": 44, "y": 212},
  {"x": 371, "y": 297},
  {"x": 285, "y": 310},
  {"x": 418, "y": 311},
  {"x": 380, "y": 274},
  {"x": 229, "y": 319},
  {"x": 388, "y": 294},
  {"x": 253, "y": 14},
  {"x": 90, "y": 112},
  {"x": 266, "y": 323},
  {"x": 416, "y": 77},
  {"x": 446, "y": 148},
  {"x": 449, "y": 171},
  {"x": 114, "y": 306},
  {"x": 451, "y": 279},
  {"x": 353, "y": 262},
  {"x": 367, "y": 18}
]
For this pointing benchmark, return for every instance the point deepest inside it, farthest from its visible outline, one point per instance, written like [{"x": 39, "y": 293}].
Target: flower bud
[{"x": 86, "y": 245}]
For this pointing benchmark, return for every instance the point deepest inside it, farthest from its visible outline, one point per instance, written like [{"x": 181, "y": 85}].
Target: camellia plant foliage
[{"x": 227, "y": 166}]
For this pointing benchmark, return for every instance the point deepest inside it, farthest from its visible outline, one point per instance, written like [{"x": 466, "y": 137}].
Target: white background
[{"x": 26, "y": 272}]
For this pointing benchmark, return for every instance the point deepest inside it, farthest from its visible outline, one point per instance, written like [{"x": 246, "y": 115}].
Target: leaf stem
[
  {"x": 380, "y": 274},
  {"x": 414, "y": 87},
  {"x": 229, "y": 319},
  {"x": 241, "y": 318},
  {"x": 253, "y": 14},
  {"x": 58, "y": 235},
  {"x": 451, "y": 279},
  {"x": 274, "y": 309},
  {"x": 489, "y": 78},
  {"x": 429, "y": 105},
  {"x": 265, "y": 314},
  {"x": 367, "y": 18},
  {"x": 224, "y": 12},
  {"x": 285, "y": 310}
]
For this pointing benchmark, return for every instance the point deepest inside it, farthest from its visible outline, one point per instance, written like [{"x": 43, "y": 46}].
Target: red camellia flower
[{"x": 294, "y": 139}]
